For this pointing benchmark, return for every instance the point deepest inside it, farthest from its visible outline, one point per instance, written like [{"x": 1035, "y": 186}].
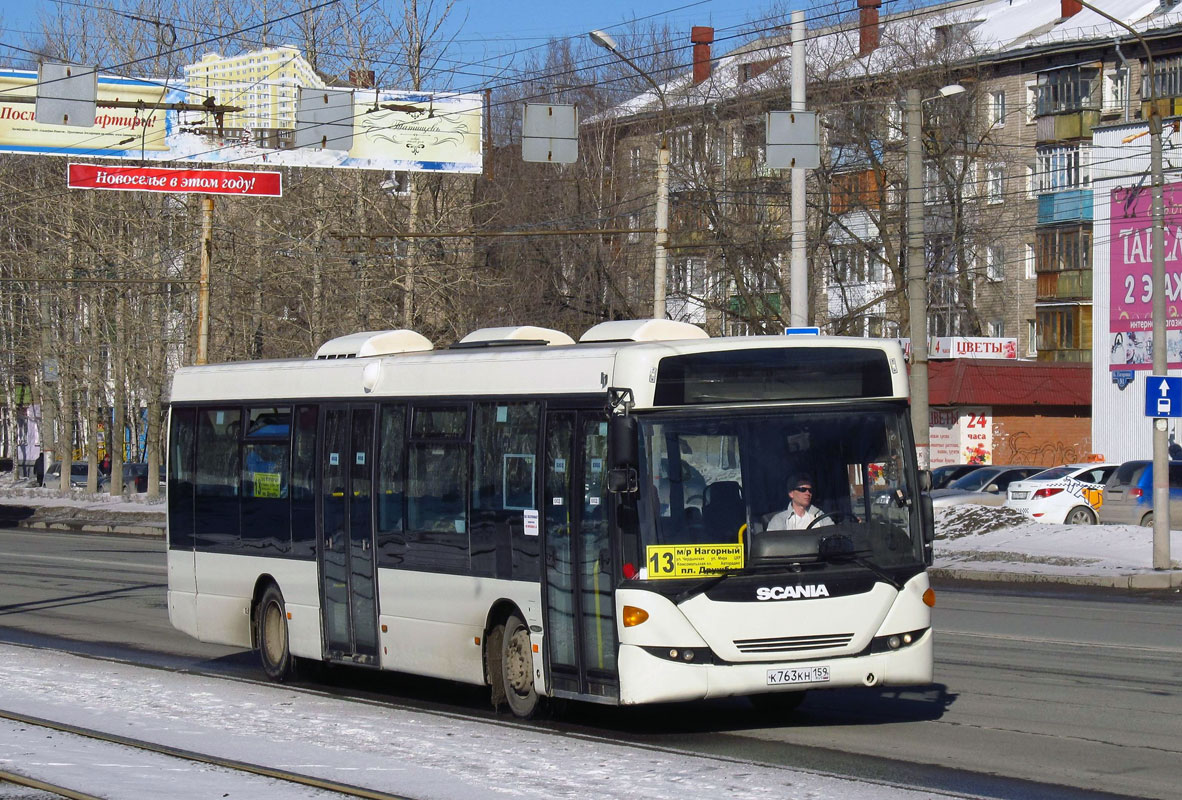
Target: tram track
[{"x": 286, "y": 776}]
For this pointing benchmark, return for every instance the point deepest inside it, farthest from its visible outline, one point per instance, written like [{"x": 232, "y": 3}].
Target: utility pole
[
  {"x": 799, "y": 275},
  {"x": 203, "y": 285},
  {"x": 917, "y": 284}
]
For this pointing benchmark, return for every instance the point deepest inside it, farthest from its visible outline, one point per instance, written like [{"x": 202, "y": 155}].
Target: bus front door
[
  {"x": 346, "y": 547},
  {"x": 579, "y": 562}
]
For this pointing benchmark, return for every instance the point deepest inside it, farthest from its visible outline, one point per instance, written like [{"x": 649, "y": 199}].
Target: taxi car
[{"x": 1069, "y": 493}]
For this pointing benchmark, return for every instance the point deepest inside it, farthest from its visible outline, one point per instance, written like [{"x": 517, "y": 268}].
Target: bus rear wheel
[
  {"x": 517, "y": 668},
  {"x": 271, "y": 634}
]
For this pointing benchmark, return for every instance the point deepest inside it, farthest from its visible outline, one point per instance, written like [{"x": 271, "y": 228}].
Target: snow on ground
[
  {"x": 419, "y": 754},
  {"x": 1003, "y": 540}
]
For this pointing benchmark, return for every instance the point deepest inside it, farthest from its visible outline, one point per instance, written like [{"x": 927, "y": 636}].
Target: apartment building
[
  {"x": 1006, "y": 170},
  {"x": 265, "y": 83}
]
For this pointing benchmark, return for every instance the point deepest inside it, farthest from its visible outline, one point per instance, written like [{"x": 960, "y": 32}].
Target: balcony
[
  {"x": 1070, "y": 285},
  {"x": 1063, "y": 127},
  {"x": 1166, "y": 107},
  {"x": 1073, "y": 205},
  {"x": 766, "y": 304}
]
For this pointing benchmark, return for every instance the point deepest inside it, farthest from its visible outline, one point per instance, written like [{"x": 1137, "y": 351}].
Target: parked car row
[
  {"x": 135, "y": 476},
  {"x": 1076, "y": 494}
]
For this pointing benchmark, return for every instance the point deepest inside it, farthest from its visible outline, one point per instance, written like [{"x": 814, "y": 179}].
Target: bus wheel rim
[
  {"x": 518, "y": 664},
  {"x": 274, "y": 635}
]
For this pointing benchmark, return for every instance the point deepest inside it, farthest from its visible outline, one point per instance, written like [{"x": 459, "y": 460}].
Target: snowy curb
[
  {"x": 87, "y": 526},
  {"x": 1165, "y": 579}
]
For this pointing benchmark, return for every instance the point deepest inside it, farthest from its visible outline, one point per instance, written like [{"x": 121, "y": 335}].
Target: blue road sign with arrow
[{"x": 1163, "y": 396}]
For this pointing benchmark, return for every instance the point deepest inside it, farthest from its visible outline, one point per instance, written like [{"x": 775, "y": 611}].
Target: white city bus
[{"x": 557, "y": 519}]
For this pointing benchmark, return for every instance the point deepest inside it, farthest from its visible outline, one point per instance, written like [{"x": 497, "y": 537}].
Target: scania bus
[{"x": 558, "y": 519}]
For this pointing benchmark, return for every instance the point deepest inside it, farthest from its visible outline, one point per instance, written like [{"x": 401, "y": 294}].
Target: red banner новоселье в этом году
[{"x": 161, "y": 179}]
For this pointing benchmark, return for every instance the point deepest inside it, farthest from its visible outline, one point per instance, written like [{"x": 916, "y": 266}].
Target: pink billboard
[{"x": 1130, "y": 248}]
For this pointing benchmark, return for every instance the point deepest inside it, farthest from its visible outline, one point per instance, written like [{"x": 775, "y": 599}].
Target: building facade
[
  {"x": 265, "y": 83},
  {"x": 1007, "y": 170}
]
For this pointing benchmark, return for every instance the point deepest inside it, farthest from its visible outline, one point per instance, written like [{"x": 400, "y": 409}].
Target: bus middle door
[
  {"x": 578, "y": 576},
  {"x": 346, "y": 551}
]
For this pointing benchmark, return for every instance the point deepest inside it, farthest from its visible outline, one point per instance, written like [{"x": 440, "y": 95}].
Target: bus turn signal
[{"x": 634, "y": 616}]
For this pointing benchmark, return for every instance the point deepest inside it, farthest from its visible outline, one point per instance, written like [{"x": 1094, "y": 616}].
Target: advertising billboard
[
  {"x": 1131, "y": 259},
  {"x": 391, "y": 129}
]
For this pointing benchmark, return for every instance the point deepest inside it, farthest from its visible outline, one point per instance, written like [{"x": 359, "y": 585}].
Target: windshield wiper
[
  {"x": 705, "y": 586},
  {"x": 841, "y": 548}
]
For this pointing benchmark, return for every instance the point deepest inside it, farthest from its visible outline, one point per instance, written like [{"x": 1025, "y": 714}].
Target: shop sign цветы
[{"x": 973, "y": 347}]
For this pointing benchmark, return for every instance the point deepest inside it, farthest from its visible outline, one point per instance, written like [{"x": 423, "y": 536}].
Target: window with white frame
[
  {"x": 997, "y": 328},
  {"x": 995, "y": 183},
  {"x": 997, "y": 108},
  {"x": 1115, "y": 90},
  {"x": 633, "y": 228},
  {"x": 895, "y": 124},
  {"x": 876, "y": 271},
  {"x": 849, "y": 263},
  {"x": 634, "y": 161},
  {"x": 1031, "y": 338},
  {"x": 687, "y": 277},
  {"x": 1031, "y": 101},
  {"x": 1029, "y": 261},
  {"x": 1063, "y": 167},
  {"x": 995, "y": 261}
]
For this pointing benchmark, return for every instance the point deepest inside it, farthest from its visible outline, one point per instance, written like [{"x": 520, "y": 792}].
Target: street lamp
[
  {"x": 917, "y": 284},
  {"x": 660, "y": 251}
]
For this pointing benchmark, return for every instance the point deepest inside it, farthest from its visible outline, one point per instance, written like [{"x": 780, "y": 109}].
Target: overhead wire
[{"x": 842, "y": 14}]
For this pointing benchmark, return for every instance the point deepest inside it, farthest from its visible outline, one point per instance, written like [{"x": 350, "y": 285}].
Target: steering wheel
[{"x": 836, "y": 516}]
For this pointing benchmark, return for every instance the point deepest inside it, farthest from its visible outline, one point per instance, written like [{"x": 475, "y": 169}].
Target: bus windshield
[{"x": 722, "y": 479}]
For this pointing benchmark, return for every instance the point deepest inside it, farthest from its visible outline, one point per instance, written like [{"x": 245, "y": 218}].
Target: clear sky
[{"x": 489, "y": 30}]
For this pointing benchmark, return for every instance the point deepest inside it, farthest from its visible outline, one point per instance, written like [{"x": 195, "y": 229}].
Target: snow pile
[{"x": 1003, "y": 540}]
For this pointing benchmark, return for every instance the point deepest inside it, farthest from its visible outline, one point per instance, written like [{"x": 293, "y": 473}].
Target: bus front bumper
[{"x": 645, "y": 678}]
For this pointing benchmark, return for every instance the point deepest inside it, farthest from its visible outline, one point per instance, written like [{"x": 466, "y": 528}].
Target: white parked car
[{"x": 1069, "y": 493}]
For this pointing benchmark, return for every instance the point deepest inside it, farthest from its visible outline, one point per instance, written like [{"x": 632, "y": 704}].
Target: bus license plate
[{"x": 782, "y": 677}]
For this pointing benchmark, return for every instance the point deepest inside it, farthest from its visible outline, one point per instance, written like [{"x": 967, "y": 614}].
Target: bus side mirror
[{"x": 621, "y": 441}]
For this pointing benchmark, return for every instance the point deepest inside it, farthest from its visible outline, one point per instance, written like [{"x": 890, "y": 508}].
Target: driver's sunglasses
[{"x": 808, "y": 489}]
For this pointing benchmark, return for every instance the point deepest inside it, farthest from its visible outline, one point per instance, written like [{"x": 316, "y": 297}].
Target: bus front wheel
[
  {"x": 271, "y": 620},
  {"x": 517, "y": 668}
]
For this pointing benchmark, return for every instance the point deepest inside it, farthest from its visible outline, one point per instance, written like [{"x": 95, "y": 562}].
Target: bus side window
[
  {"x": 504, "y": 487},
  {"x": 180, "y": 477},
  {"x": 216, "y": 509},
  {"x": 303, "y": 482},
  {"x": 391, "y": 488},
  {"x": 437, "y": 489}
]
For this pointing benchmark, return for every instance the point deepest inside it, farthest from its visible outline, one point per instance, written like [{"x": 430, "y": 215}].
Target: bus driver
[{"x": 801, "y": 512}]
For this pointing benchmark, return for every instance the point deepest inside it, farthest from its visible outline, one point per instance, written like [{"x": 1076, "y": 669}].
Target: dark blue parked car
[{"x": 1128, "y": 494}]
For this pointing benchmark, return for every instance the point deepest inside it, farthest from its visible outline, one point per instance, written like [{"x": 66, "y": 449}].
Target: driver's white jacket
[{"x": 789, "y": 520}]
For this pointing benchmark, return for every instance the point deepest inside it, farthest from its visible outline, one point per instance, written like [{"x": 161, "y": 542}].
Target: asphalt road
[{"x": 1042, "y": 695}]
